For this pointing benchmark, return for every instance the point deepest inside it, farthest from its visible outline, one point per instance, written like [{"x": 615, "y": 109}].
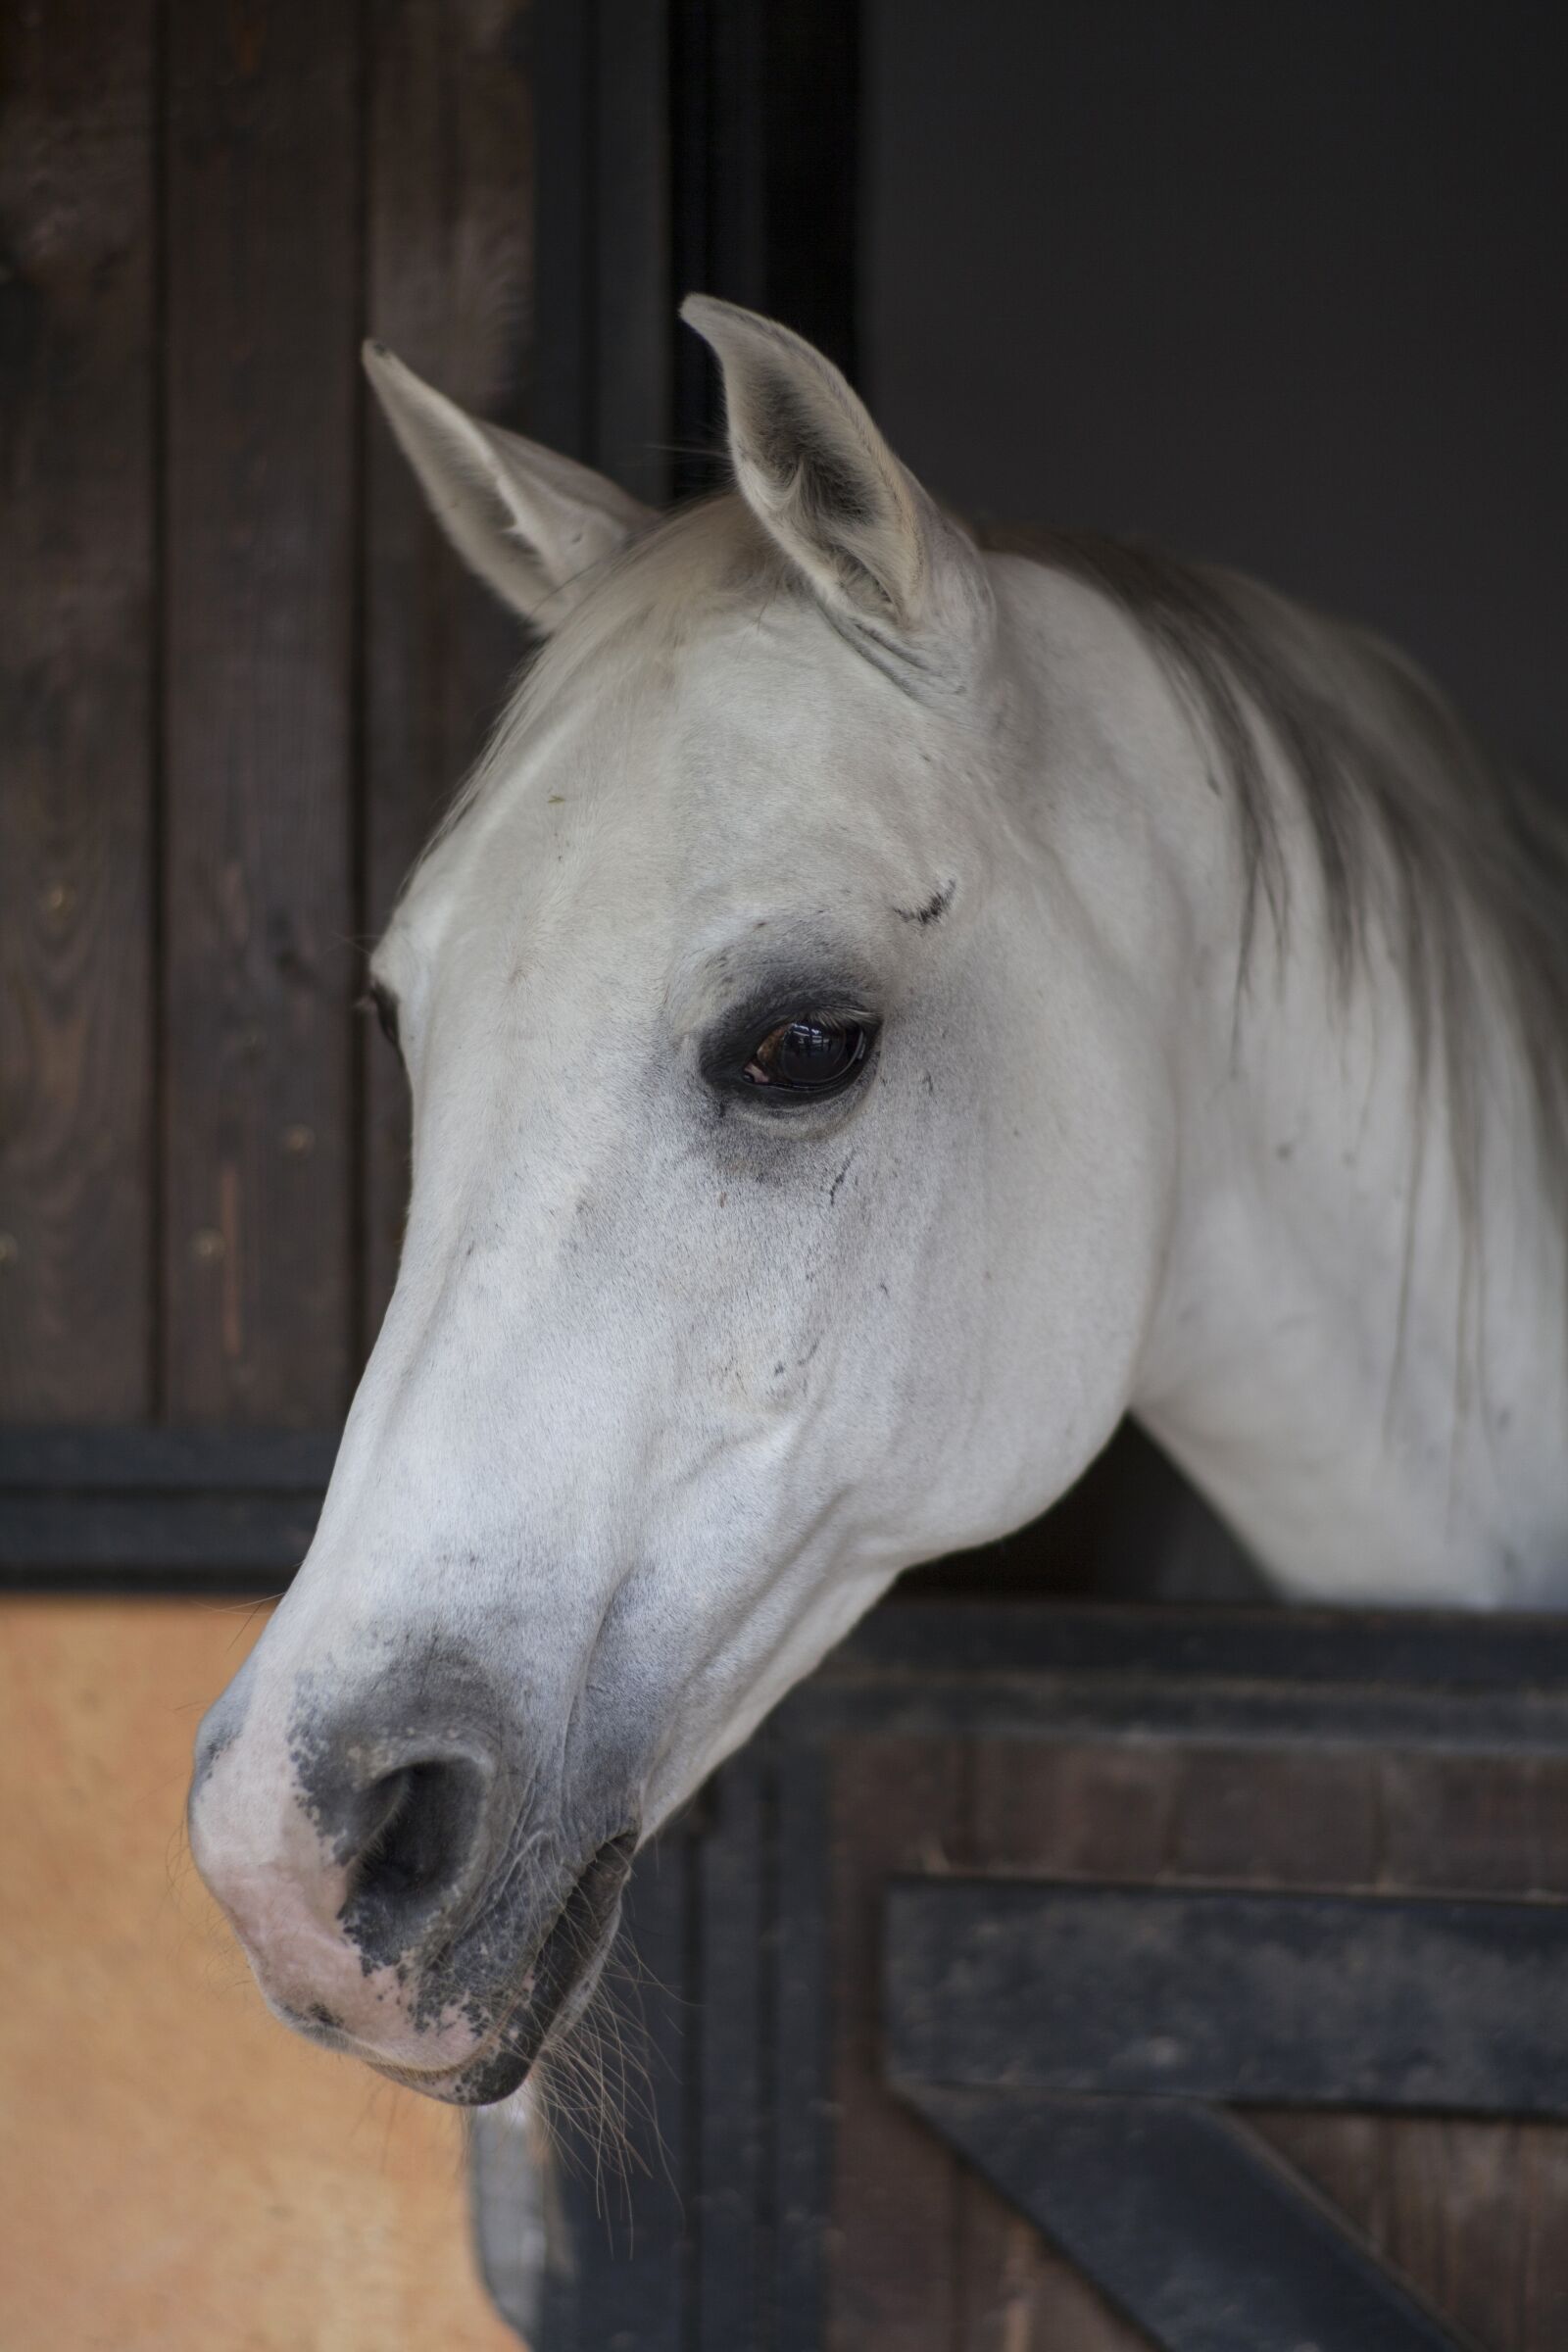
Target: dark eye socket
[
  {"x": 384, "y": 1004},
  {"x": 816, "y": 1053}
]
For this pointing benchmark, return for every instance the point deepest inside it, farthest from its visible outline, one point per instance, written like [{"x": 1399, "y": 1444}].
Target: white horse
[{"x": 881, "y": 1011}]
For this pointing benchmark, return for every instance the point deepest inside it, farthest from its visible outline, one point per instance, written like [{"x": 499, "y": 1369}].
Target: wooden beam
[{"x": 1184, "y": 2222}]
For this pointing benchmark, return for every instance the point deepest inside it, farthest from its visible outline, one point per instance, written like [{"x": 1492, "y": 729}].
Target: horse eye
[
  {"x": 385, "y": 1007},
  {"x": 810, "y": 1056}
]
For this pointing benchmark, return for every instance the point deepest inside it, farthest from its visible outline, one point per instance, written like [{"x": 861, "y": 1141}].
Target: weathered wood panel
[
  {"x": 1294, "y": 1820},
  {"x": 1473, "y": 2214},
  {"x": 897, "y": 1805},
  {"x": 731, "y": 1922},
  {"x": 449, "y": 271},
  {"x": 1476, "y": 2213},
  {"x": 1226, "y": 1995},
  {"x": 76, "y": 550},
  {"x": 261, "y": 247},
  {"x": 1067, "y": 1812}
]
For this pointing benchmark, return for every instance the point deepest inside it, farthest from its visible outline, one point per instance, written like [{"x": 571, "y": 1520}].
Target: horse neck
[{"x": 1363, "y": 1367}]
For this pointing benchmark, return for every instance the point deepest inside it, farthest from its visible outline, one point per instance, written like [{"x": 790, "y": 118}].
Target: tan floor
[{"x": 178, "y": 2174}]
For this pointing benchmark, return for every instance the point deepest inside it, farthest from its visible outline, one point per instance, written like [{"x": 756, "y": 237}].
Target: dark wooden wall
[{"x": 239, "y": 675}]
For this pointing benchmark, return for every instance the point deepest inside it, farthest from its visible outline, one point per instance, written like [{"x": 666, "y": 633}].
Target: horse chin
[
  {"x": 481, "y": 2082},
  {"x": 560, "y": 1981}
]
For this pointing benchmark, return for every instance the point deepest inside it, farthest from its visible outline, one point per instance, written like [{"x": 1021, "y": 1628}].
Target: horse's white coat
[{"x": 673, "y": 1388}]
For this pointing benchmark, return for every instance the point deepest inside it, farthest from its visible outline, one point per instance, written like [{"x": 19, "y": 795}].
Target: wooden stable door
[
  {"x": 1078, "y": 1980},
  {"x": 239, "y": 672}
]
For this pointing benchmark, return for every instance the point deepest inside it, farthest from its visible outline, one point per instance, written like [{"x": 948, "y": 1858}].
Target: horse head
[{"x": 789, "y": 1148}]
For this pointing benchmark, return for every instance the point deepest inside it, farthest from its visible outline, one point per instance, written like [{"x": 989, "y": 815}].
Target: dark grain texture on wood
[
  {"x": 449, "y": 268},
  {"x": 625, "y": 2273},
  {"x": 1478, "y": 1823},
  {"x": 1301, "y": 1818},
  {"x": 1058, "y": 1812},
  {"x": 1141, "y": 1814},
  {"x": 76, "y": 545},
  {"x": 262, "y": 249},
  {"x": 1228, "y": 1995},
  {"x": 619, "y": 2211},
  {"x": 802, "y": 2038},
  {"x": 1187, "y": 2221},
  {"x": 1542, "y": 2156},
  {"x": 733, "y": 1931},
  {"x": 896, "y": 1805},
  {"x": 1298, "y": 1818},
  {"x": 1071, "y": 1811},
  {"x": 1476, "y": 2213}
]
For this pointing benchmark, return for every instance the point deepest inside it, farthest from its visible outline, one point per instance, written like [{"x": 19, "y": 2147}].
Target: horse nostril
[
  {"x": 405, "y": 1849},
  {"x": 420, "y": 1839}
]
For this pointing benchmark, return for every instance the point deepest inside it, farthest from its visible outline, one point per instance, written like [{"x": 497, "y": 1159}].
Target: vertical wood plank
[
  {"x": 1053, "y": 1812},
  {"x": 1472, "y": 2212},
  {"x": 726, "y": 2038},
  {"x": 448, "y": 278},
  {"x": 625, "y": 2263},
  {"x": 1478, "y": 2211},
  {"x": 1062, "y": 1811},
  {"x": 76, "y": 551},
  {"x": 896, "y": 1806},
  {"x": 261, "y": 240},
  {"x": 1311, "y": 1818},
  {"x": 1453, "y": 2221},
  {"x": 1543, "y": 2284},
  {"x": 1479, "y": 1824},
  {"x": 1345, "y": 2156},
  {"x": 803, "y": 2038}
]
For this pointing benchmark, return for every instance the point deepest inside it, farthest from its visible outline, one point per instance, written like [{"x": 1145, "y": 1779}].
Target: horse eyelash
[{"x": 384, "y": 1006}]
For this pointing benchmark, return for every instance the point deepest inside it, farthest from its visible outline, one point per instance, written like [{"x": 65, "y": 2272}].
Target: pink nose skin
[
  {"x": 396, "y": 1897},
  {"x": 342, "y": 1898}
]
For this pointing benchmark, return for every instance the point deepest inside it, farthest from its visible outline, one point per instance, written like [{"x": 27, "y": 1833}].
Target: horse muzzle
[
  {"x": 397, "y": 1895},
  {"x": 551, "y": 1993}
]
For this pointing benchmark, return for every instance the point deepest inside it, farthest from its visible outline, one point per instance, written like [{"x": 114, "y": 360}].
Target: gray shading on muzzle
[{"x": 467, "y": 1877}]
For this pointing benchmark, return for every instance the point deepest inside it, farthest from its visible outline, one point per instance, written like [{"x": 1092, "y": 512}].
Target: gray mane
[{"x": 1413, "y": 822}]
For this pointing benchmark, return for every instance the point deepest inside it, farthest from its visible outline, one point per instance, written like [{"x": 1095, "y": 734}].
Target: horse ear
[
  {"x": 532, "y": 526},
  {"x": 813, "y": 469}
]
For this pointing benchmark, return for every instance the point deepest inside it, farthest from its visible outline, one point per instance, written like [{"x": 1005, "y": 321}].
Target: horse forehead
[
  {"x": 794, "y": 772},
  {"x": 762, "y": 762}
]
